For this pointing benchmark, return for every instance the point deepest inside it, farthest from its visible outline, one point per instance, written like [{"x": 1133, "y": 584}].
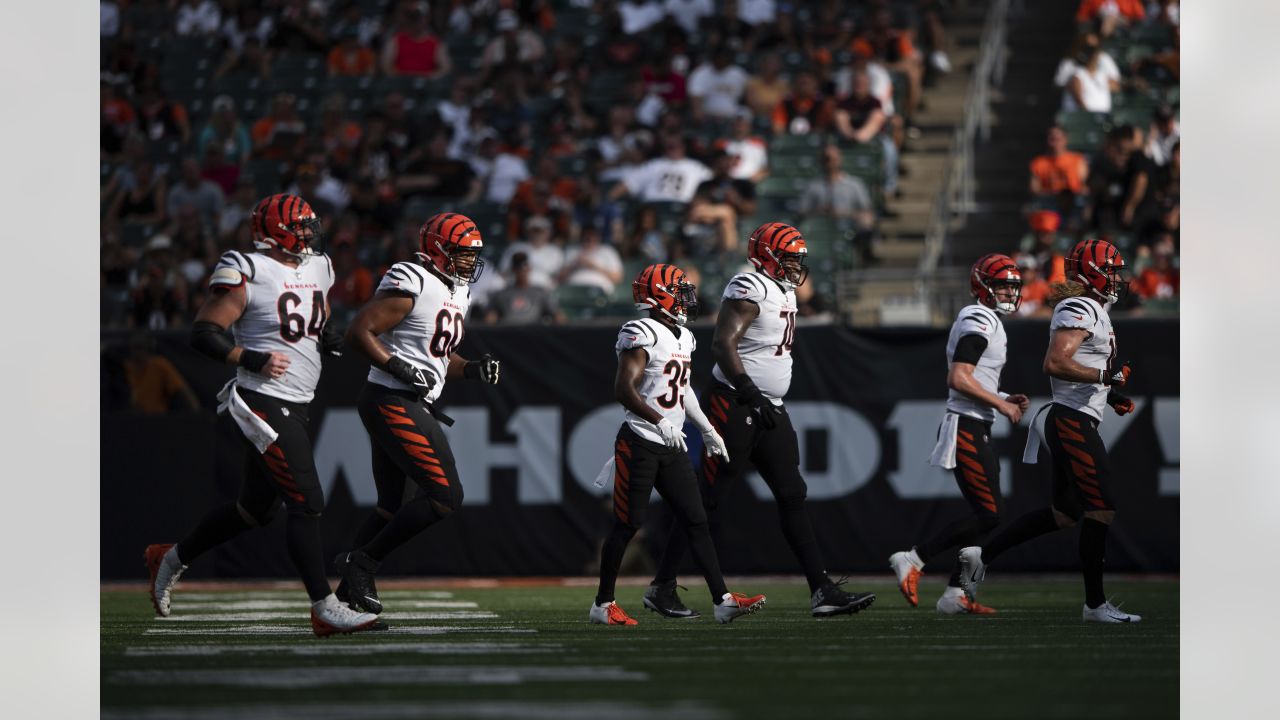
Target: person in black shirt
[{"x": 719, "y": 202}]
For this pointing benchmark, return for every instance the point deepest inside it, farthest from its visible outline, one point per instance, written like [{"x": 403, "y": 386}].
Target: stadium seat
[
  {"x": 582, "y": 302},
  {"x": 1085, "y": 130},
  {"x": 795, "y": 145}
]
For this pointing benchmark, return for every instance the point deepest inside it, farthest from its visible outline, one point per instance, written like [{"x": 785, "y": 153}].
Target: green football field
[{"x": 489, "y": 650}]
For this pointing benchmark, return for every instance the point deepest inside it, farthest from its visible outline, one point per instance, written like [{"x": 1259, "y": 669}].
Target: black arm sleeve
[
  {"x": 969, "y": 349},
  {"x": 211, "y": 340}
]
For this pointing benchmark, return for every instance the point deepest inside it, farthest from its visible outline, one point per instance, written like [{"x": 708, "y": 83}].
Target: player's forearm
[
  {"x": 726, "y": 355},
  {"x": 693, "y": 411},
  {"x": 631, "y": 400},
  {"x": 1068, "y": 369},
  {"x": 361, "y": 337},
  {"x": 965, "y": 384},
  {"x": 457, "y": 365}
]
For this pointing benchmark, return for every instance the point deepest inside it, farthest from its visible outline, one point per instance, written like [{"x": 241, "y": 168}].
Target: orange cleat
[
  {"x": 610, "y": 614},
  {"x": 908, "y": 573},
  {"x": 976, "y": 608},
  {"x": 736, "y": 605}
]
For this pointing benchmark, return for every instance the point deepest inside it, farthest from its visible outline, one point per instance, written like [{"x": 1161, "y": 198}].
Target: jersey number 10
[{"x": 788, "y": 333}]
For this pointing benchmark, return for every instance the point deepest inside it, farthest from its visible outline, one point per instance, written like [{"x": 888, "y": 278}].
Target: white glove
[
  {"x": 715, "y": 444},
  {"x": 672, "y": 436}
]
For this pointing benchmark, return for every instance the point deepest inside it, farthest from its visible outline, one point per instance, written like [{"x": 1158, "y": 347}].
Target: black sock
[
  {"x": 216, "y": 527},
  {"x": 611, "y": 560},
  {"x": 305, "y": 549},
  {"x": 704, "y": 553},
  {"x": 412, "y": 518},
  {"x": 958, "y": 534},
  {"x": 799, "y": 533},
  {"x": 673, "y": 554},
  {"x": 1093, "y": 548},
  {"x": 1032, "y": 525},
  {"x": 369, "y": 529}
]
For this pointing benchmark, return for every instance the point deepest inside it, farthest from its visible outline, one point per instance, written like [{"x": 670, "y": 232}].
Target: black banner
[{"x": 866, "y": 404}]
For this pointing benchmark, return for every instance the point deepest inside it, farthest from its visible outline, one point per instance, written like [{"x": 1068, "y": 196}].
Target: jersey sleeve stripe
[
  {"x": 421, "y": 276},
  {"x": 1081, "y": 308},
  {"x": 764, "y": 289}
]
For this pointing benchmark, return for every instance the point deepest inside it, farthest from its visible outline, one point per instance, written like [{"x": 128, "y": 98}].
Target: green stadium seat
[
  {"x": 795, "y": 145},
  {"x": 1085, "y": 130},
  {"x": 582, "y": 302}
]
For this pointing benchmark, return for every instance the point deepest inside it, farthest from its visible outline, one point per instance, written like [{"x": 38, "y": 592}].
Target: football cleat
[
  {"x": 357, "y": 571},
  {"x": 735, "y": 605},
  {"x": 972, "y": 571},
  {"x": 829, "y": 600},
  {"x": 330, "y": 617},
  {"x": 609, "y": 614},
  {"x": 961, "y": 605},
  {"x": 1108, "y": 613},
  {"x": 908, "y": 571},
  {"x": 165, "y": 569},
  {"x": 663, "y": 600}
]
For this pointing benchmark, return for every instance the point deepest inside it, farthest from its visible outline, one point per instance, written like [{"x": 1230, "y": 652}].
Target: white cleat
[
  {"x": 972, "y": 571},
  {"x": 1108, "y": 613},
  {"x": 165, "y": 569},
  {"x": 331, "y": 616}
]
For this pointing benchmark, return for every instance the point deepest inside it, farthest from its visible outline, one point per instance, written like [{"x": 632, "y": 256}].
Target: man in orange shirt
[
  {"x": 350, "y": 58},
  {"x": 153, "y": 380},
  {"x": 1110, "y": 14},
  {"x": 1058, "y": 170},
  {"x": 281, "y": 134}
]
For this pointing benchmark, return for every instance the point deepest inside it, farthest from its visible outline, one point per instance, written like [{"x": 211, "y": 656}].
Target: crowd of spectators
[
  {"x": 587, "y": 137},
  {"x": 1122, "y": 181}
]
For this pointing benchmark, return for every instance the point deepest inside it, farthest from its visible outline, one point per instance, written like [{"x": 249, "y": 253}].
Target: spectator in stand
[
  {"x": 1035, "y": 289},
  {"x": 217, "y": 169},
  {"x": 108, "y": 18},
  {"x": 353, "y": 284},
  {"x": 155, "y": 384},
  {"x": 1160, "y": 209},
  {"x": 118, "y": 119},
  {"x": 197, "y": 17},
  {"x": 716, "y": 87},
  {"x": 767, "y": 88},
  {"x": 592, "y": 263},
  {"x": 238, "y": 206},
  {"x": 646, "y": 241},
  {"x": 195, "y": 191},
  {"x": 351, "y": 17},
  {"x": 837, "y": 194},
  {"x": 893, "y": 47},
  {"x": 670, "y": 178},
  {"x": 246, "y": 36},
  {"x": 749, "y": 152},
  {"x": 1159, "y": 281},
  {"x": 159, "y": 295},
  {"x": 523, "y": 302},
  {"x": 689, "y": 15},
  {"x": 547, "y": 193},
  {"x": 1109, "y": 15},
  {"x": 326, "y": 194},
  {"x": 860, "y": 118},
  {"x": 721, "y": 200},
  {"x": 662, "y": 79},
  {"x": 1059, "y": 178},
  {"x": 1117, "y": 181},
  {"x": 414, "y": 49},
  {"x": 1084, "y": 46},
  {"x": 545, "y": 257},
  {"x": 431, "y": 172},
  {"x": 349, "y": 58},
  {"x": 1163, "y": 137},
  {"x": 1041, "y": 245},
  {"x": 160, "y": 119},
  {"x": 144, "y": 202},
  {"x": 513, "y": 47},
  {"x": 639, "y": 15},
  {"x": 503, "y": 170},
  {"x": 755, "y": 20},
  {"x": 226, "y": 130},
  {"x": 1091, "y": 84},
  {"x": 339, "y": 136},
  {"x": 281, "y": 135},
  {"x": 806, "y": 110}
]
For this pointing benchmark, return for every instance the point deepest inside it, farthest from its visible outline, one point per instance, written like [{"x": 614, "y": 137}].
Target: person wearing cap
[
  {"x": 545, "y": 257},
  {"x": 513, "y": 45},
  {"x": 749, "y": 152},
  {"x": 1041, "y": 244}
]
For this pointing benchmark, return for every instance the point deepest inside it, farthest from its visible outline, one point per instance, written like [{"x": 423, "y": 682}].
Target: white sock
[
  {"x": 952, "y": 592},
  {"x": 726, "y": 598},
  {"x": 915, "y": 559},
  {"x": 328, "y": 601}
]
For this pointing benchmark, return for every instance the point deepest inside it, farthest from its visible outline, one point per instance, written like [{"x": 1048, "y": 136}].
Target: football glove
[
  {"x": 672, "y": 436},
  {"x": 486, "y": 369},
  {"x": 748, "y": 394},
  {"x": 1121, "y": 404},
  {"x": 407, "y": 373},
  {"x": 715, "y": 444},
  {"x": 331, "y": 342},
  {"x": 1115, "y": 376}
]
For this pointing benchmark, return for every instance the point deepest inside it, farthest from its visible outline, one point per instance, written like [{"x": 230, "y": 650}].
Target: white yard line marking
[
  {"x": 482, "y": 710},
  {"x": 290, "y": 678},
  {"x": 301, "y": 629},
  {"x": 259, "y": 616},
  {"x": 181, "y": 607},
  {"x": 178, "y": 595},
  {"x": 346, "y": 648}
]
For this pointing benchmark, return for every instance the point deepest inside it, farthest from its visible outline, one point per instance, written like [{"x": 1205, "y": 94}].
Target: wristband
[
  {"x": 1102, "y": 376},
  {"x": 253, "y": 360},
  {"x": 471, "y": 370}
]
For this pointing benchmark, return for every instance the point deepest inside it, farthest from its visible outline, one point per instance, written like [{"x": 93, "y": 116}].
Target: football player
[
  {"x": 752, "y": 347},
  {"x": 275, "y": 302},
  {"x": 975, "y": 356},
  {"x": 410, "y": 332},
  {"x": 655, "y": 357},
  {"x": 1084, "y": 376}
]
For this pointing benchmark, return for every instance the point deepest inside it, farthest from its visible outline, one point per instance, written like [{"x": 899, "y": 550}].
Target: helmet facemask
[
  {"x": 1012, "y": 296},
  {"x": 307, "y": 236},
  {"x": 792, "y": 267}
]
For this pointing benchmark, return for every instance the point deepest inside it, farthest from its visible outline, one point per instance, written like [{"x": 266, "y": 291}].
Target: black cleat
[
  {"x": 829, "y": 600},
  {"x": 357, "y": 571},
  {"x": 663, "y": 600}
]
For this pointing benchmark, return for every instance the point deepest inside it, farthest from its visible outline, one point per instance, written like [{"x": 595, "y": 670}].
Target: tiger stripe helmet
[
  {"x": 1098, "y": 266},
  {"x": 991, "y": 271},
  {"x": 667, "y": 289},
  {"x": 451, "y": 243},
  {"x": 775, "y": 246},
  {"x": 286, "y": 222}
]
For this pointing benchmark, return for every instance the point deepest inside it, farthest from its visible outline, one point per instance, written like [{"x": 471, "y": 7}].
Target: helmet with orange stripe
[
  {"x": 778, "y": 250},
  {"x": 450, "y": 244},
  {"x": 665, "y": 288},
  {"x": 286, "y": 222},
  {"x": 997, "y": 283},
  {"x": 1098, "y": 266}
]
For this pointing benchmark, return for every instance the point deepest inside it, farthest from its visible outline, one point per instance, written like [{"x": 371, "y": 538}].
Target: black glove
[
  {"x": 486, "y": 369},
  {"x": 748, "y": 394},
  {"x": 331, "y": 342},
  {"x": 1121, "y": 404},
  {"x": 406, "y": 373}
]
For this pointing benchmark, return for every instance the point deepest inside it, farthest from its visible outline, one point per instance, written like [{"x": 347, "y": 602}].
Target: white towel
[
  {"x": 1031, "y": 453},
  {"x": 944, "y": 453},
  {"x": 605, "y": 474},
  {"x": 254, "y": 428}
]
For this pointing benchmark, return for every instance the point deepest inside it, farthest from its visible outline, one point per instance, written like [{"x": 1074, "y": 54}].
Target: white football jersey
[
  {"x": 432, "y": 330},
  {"x": 666, "y": 376},
  {"x": 765, "y": 348},
  {"x": 285, "y": 312},
  {"x": 1097, "y": 351},
  {"x": 981, "y": 320}
]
